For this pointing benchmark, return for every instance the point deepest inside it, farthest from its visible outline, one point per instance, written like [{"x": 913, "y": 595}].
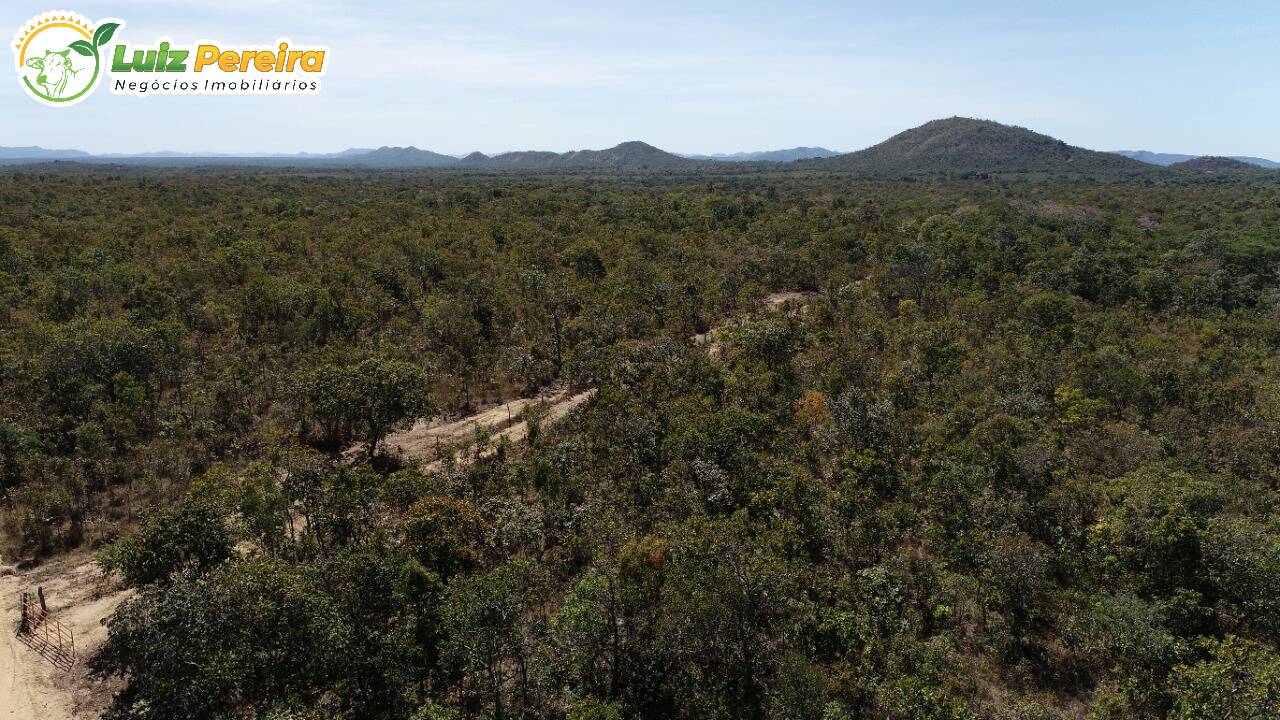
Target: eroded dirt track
[{"x": 431, "y": 442}]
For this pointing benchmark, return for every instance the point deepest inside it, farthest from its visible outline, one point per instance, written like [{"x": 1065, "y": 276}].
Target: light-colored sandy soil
[
  {"x": 80, "y": 598},
  {"x": 431, "y": 442},
  {"x": 557, "y": 407},
  {"x": 778, "y": 300}
]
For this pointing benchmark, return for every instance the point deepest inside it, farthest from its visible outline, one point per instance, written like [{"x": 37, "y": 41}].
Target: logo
[{"x": 60, "y": 56}]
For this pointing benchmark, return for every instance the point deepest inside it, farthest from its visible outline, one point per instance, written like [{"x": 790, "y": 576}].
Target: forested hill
[
  {"x": 397, "y": 157},
  {"x": 960, "y": 147},
  {"x": 1218, "y": 165}
]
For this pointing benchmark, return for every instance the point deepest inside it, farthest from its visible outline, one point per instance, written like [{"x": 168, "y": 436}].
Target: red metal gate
[{"x": 46, "y": 636}]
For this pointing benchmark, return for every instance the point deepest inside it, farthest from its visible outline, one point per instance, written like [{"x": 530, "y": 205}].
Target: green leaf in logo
[
  {"x": 103, "y": 34},
  {"x": 82, "y": 47}
]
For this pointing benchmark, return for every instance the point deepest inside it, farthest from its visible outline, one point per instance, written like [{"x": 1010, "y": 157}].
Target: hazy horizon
[
  {"x": 455, "y": 77},
  {"x": 690, "y": 154}
]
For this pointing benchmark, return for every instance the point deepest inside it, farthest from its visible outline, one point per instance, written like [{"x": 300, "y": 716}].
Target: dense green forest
[{"x": 1016, "y": 457}]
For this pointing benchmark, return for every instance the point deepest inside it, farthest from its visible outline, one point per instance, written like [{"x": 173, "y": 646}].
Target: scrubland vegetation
[{"x": 1018, "y": 457}]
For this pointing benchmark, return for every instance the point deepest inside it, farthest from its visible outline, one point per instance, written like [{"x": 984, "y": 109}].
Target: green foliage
[
  {"x": 443, "y": 534},
  {"x": 1014, "y": 458},
  {"x": 484, "y": 618},
  {"x": 246, "y": 635},
  {"x": 432, "y": 711},
  {"x": 1240, "y": 679},
  {"x": 364, "y": 401},
  {"x": 594, "y": 709},
  {"x": 192, "y": 537}
]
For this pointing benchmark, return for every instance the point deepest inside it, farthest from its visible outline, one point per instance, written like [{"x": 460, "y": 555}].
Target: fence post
[{"x": 54, "y": 643}]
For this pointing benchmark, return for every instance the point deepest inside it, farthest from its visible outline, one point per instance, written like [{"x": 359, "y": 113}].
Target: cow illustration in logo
[
  {"x": 58, "y": 55},
  {"x": 56, "y": 70}
]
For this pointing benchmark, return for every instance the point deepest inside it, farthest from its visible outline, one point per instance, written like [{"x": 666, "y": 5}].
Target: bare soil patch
[{"x": 79, "y": 597}]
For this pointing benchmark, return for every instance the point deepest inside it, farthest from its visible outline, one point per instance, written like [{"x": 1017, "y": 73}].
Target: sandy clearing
[
  {"x": 557, "y": 410},
  {"x": 777, "y": 300},
  {"x": 428, "y": 440},
  {"x": 80, "y": 598},
  {"x": 427, "y": 437}
]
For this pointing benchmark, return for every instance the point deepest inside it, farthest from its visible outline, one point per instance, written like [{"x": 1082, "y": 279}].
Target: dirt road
[{"x": 31, "y": 688}]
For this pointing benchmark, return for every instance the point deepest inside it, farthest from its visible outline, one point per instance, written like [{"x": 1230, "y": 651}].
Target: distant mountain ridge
[
  {"x": 633, "y": 155},
  {"x": 952, "y": 148},
  {"x": 628, "y": 155},
  {"x": 38, "y": 153},
  {"x": 1167, "y": 159},
  {"x": 787, "y": 155}
]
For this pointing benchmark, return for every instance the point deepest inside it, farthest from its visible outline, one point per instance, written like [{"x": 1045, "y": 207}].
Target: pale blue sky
[{"x": 462, "y": 75}]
